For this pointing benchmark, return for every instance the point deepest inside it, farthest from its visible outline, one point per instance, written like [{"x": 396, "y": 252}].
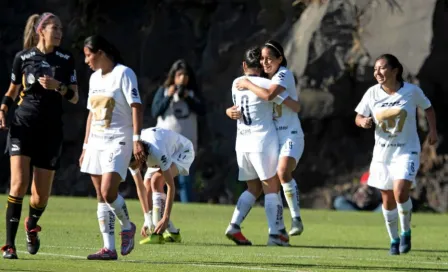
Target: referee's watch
[{"x": 62, "y": 89}]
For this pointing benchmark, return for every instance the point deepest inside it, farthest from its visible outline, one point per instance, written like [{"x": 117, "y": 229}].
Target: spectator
[
  {"x": 177, "y": 105},
  {"x": 361, "y": 197}
]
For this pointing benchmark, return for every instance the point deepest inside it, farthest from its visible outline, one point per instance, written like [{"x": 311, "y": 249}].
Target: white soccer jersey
[
  {"x": 286, "y": 120},
  {"x": 394, "y": 116},
  {"x": 163, "y": 144},
  {"x": 109, "y": 101},
  {"x": 255, "y": 129}
]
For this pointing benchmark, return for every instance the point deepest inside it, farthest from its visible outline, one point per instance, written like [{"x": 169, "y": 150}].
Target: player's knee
[
  {"x": 39, "y": 200},
  {"x": 107, "y": 195},
  {"x": 284, "y": 175},
  {"x": 18, "y": 186},
  {"x": 157, "y": 183},
  {"x": 255, "y": 190}
]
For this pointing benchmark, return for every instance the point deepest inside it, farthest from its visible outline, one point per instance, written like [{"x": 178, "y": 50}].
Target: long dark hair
[
  {"x": 276, "y": 49},
  {"x": 393, "y": 62},
  {"x": 181, "y": 64},
  {"x": 97, "y": 42}
]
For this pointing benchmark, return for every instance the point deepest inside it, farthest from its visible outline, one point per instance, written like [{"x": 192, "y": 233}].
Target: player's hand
[
  {"x": 82, "y": 157},
  {"x": 2, "y": 120},
  {"x": 49, "y": 83},
  {"x": 233, "y": 113},
  {"x": 144, "y": 231},
  {"x": 162, "y": 225},
  {"x": 139, "y": 152},
  {"x": 432, "y": 137},
  {"x": 171, "y": 90},
  {"x": 366, "y": 122},
  {"x": 242, "y": 84}
]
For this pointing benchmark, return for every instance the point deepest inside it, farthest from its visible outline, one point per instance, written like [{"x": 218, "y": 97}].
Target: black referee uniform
[{"x": 36, "y": 129}]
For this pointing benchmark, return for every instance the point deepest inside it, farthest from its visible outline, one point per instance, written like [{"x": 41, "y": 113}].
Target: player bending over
[{"x": 168, "y": 154}]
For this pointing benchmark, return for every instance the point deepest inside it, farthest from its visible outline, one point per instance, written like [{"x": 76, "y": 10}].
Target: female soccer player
[
  {"x": 289, "y": 130},
  {"x": 47, "y": 73},
  {"x": 391, "y": 105},
  {"x": 112, "y": 135},
  {"x": 151, "y": 195},
  {"x": 257, "y": 154},
  {"x": 168, "y": 154}
]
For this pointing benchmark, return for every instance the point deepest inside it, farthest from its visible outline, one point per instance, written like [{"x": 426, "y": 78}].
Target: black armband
[
  {"x": 69, "y": 94},
  {"x": 8, "y": 101}
]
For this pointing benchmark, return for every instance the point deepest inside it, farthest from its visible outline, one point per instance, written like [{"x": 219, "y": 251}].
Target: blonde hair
[
  {"x": 30, "y": 37},
  {"x": 34, "y": 23}
]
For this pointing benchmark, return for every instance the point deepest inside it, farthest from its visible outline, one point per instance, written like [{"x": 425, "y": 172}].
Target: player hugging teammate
[{"x": 268, "y": 145}]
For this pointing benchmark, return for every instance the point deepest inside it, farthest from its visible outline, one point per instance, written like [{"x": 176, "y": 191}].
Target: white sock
[
  {"x": 405, "y": 212},
  {"x": 120, "y": 210},
  {"x": 243, "y": 206},
  {"x": 158, "y": 207},
  {"x": 271, "y": 207},
  {"x": 391, "y": 218},
  {"x": 292, "y": 197},
  {"x": 106, "y": 219},
  {"x": 281, "y": 225}
]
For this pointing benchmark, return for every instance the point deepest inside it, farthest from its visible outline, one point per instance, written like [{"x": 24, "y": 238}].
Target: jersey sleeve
[
  {"x": 133, "y": 172},
  {"x": 129, "y": 87},
  {"x": 363, "y": 107},
  {"x": 16, "y": 75},
  {"x": 280, "y": 98},
  {"x": 420, "y": 99},
  {"x": 161, "y": 156},
  {"x": 281, "y": 78},
  {"x": 72, "y": 79}
]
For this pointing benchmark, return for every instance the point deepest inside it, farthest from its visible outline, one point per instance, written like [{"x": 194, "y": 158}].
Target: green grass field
[{"x": 332, "y": 241}]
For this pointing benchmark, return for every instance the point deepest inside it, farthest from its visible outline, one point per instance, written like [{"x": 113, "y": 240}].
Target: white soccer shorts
[
  {"x": 292, "y": 147},
  {"x": 113, "y": 159},
  {"x": 182, "y": 158},
  {"x": 382, "y": 175},
  {"x": 253, "y": 165}
]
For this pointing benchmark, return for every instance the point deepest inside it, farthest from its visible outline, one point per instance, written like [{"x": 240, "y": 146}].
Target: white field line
[
  {"x": 186, "y": 264},
  {"x": 211, "y": 253}
]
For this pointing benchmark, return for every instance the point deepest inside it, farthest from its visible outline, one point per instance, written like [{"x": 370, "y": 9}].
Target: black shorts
[{"x": 42, "y": 144}]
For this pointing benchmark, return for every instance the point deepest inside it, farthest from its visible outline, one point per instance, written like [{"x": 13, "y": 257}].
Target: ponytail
[{"x": 30, "y": 37}]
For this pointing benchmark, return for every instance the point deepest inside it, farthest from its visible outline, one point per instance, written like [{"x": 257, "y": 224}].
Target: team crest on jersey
[
  {"x": 30, "y": 79},
  {"x": 73, "y": 77}
]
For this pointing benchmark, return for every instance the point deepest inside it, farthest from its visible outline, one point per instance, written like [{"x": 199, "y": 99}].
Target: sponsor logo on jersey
[
  {"x": 45, "y": 64},
  {"x": 392, "y": 104},
  {"x": 134, "y": 92},
  {"x": 13, "y": 77},
  {"x": 30, "y": 79},
  {"x": 73, "y": 78},
  {"x": 64, "y": 56},
  {"x": 163, "y": 159},
  {"x": 28, "y": 55},
  {"x": 15, "y": 147}
]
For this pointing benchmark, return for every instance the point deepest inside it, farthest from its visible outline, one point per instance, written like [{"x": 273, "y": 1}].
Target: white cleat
[{"x": 296, "y": 226}]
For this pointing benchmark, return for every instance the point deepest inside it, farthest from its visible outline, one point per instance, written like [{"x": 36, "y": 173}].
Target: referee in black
[{"x": 47, "y": 74}]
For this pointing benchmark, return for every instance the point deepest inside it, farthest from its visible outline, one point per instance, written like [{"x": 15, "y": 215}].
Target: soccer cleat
[
  {"x": 127, "y": 240},
  {"x": 405, "y": 242},
  {"x": 153, "y": 239},
  {"x": 32, "y": 239},
  {"x": 296, "y": 226},
  {"x": 172, "y": 237},
  {"x": 103, "y": 254},
  {"x": 9, "y": 252},
  {"x": 394, "y": 247},
  {"x": 277, "y": 240},
  {"x": 284, "y": 235},
  {"x": 235, "y": 234}
]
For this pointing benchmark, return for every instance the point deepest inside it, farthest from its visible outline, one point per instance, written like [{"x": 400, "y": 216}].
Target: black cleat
[
  {"x": 32, "y": 239},
  {"x": 9, "y": 252}
]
